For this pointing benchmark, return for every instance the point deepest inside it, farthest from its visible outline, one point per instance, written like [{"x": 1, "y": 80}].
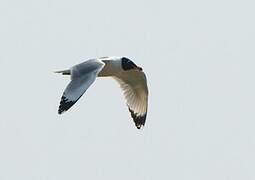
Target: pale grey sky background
[{"x": 199, "y": 60}]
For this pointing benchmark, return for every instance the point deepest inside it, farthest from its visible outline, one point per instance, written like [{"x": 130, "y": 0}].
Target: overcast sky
[{"x": 199, "y": 60}]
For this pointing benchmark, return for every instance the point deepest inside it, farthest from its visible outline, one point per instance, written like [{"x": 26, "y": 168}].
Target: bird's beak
[{"x": 139, "y": 68}]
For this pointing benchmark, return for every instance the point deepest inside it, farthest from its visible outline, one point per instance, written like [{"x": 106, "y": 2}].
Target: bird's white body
[{"x": 112, "y": 66}]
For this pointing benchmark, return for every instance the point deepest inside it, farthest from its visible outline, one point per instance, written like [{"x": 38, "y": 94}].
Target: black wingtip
[
  {"x": 138, "y": 120},
  {"x": 65, "y": 104},
  {"x": 60, "y": 111}
]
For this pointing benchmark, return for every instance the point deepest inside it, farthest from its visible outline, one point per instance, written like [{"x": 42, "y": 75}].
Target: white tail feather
[{"x": 64, "y": 72}]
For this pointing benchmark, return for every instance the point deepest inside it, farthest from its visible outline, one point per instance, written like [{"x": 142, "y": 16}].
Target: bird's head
[{"x": 127, "y": 64}]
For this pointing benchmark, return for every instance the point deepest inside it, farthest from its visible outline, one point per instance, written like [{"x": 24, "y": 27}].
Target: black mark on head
[{"x": 127, "y": 64}]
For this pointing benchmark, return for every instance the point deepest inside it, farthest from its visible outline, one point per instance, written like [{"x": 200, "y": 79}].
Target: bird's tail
[{"x": 64, "y": 72}]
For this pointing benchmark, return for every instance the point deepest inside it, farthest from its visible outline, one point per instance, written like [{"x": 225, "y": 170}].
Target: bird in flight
[{"x": 130, "y": 77}]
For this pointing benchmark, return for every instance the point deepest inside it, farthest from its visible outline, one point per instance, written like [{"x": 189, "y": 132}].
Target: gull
[{"x": 131, "y": 78}]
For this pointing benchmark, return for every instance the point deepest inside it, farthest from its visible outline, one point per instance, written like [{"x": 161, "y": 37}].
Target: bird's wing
[
  {"x": 82, "y": 76},
  {"x": 134, "y": 86}
]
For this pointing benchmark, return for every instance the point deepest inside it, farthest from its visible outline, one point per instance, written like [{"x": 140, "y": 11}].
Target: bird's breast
[{"x": 111, "y": 68}]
